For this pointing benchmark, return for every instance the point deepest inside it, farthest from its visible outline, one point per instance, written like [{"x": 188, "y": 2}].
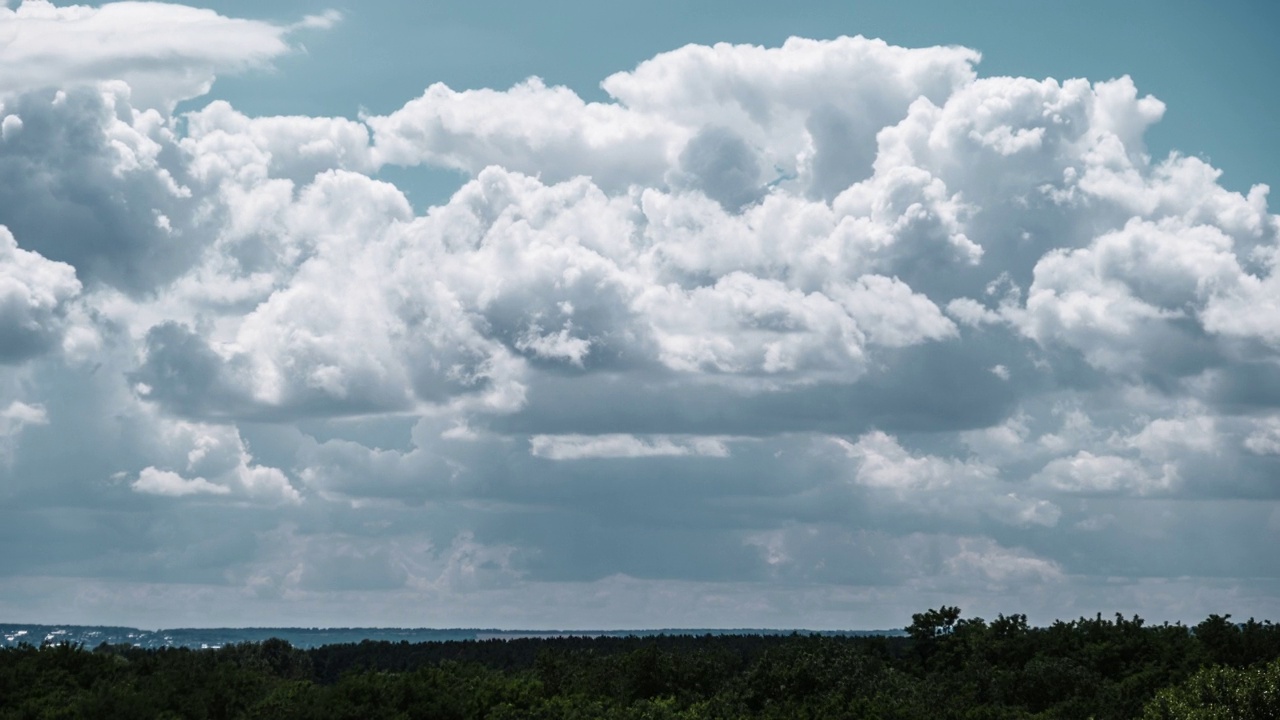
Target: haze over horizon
[{"x": 810, "y": 315}]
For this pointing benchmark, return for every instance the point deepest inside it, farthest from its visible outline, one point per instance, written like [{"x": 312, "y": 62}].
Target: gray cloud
[
  {"x": 34, "y": 301},
  {"x": 83, "y": 182},
  {"x": 722, "y": 166}
]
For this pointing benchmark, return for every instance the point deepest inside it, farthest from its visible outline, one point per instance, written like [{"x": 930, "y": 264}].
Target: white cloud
[
  {"x": 215, "y": 452},
  {"x": 969, "y": 490},
  {"x": 891, "y": 313},
  {"x": 164, "y": 482},
  {"x": 883, "y": 463},
  {"x": 579, "y": 447},
  {"x": 165, "y": 52},
  {"x": 779, "y": 100},
  {"x": 1002, "y": 443},
  {"x": 981, "y": 557},
  {"x": 1085, "y": 472},
  {"x": 561, "y": 345},
  {"x": 774, "y": 103},
  {"x": 1116, "y": 300},
  {"x": 13, "y": 418},
  {"x": 228, "y": 145},
  {"x": 1247, "y": 310},
  {"x": 10, "y": 126},
  {"x": 323, "y": 21},
  {"x": 19, "y": 413},
  {"x": 530, "y": 128},
  {"x": 1017, "y": 510},
  {"x": 35, "y": 294},
  {"x": 745, "y": 324},
  {"x": 1265, "y": 439},
  {"x": 1165, "y": 438}
]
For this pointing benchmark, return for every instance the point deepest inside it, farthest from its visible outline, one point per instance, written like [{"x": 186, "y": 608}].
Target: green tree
[{"x": 1221, "y": 693}]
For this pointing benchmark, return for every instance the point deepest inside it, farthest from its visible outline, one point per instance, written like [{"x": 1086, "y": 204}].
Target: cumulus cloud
[
  {"x": 35, "y": 294},
  {"x": 979, "y": 558},
  {"x": 832, "y": 314},
  {"x": 230, "y": 145},
  {"x": 1085, "y": 472},
  {"x": 164, "y": 482},
  {"x": 530, "y": 128},
  {"x": 87, "y": 182},
  {"x": 961, "y": 489},
  {"x": 717, "y": 117},
  {"x": 883, "y": 463},
  {"x": 165, "y": 52},
  {"x": 220, "y": 453},
  {"x": 19, "y": 413}
]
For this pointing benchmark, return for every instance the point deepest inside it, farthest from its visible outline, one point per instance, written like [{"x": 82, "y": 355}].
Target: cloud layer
[{"x": 797, "y": 335}]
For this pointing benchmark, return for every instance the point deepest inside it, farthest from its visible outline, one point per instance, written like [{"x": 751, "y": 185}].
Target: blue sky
[{"x": 809, "y": 315}]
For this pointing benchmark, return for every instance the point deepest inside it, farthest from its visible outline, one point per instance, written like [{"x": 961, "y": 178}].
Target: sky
[{"x": 580, "y": 315}]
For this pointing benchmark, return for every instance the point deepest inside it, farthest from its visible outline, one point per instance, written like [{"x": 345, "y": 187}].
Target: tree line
[{"x": 945, "y": 666}]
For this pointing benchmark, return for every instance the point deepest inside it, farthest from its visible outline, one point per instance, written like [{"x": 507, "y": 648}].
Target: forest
[{"x": 945, "y": 666}]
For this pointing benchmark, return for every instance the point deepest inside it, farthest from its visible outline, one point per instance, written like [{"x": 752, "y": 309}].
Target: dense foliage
[{"x": 945, "y": 667}]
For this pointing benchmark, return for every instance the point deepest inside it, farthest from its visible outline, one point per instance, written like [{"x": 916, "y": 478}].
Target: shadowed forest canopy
[{"x": 946, "y": 666}]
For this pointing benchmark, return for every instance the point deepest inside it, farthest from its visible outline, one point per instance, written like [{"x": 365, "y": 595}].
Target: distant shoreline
[{"x": 13, "y": 634}]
